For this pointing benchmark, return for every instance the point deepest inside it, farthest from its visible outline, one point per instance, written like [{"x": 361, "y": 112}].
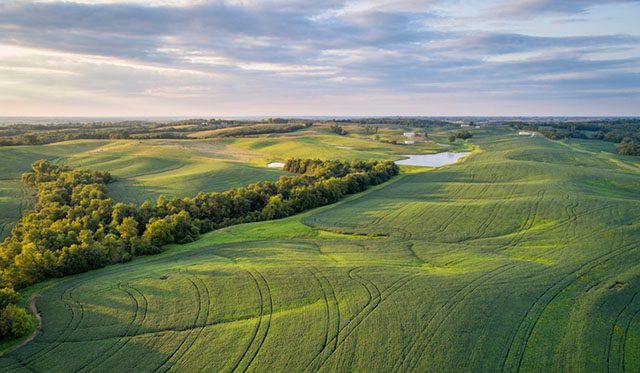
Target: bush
[{"x": 14, "y": 322}]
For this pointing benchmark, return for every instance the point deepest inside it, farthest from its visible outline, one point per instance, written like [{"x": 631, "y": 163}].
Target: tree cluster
[
  {"x": 338, "y": 130},
  {"x": 464, "y": 135}
]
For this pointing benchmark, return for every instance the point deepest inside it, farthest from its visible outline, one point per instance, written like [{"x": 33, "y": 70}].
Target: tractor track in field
[
  {"x": 572, "y": 219},
  {"x": 389, "y": 213},
  {"x": 203, "y": 290},
  {"x": 625, "y": 338},
  {"x": 410, "y": 354},
  {"x": 613, "y": 363},
  {"x": 67, "y": 331},
  {"x": 335, "y": 346},
  {"x": 264, "y": 293},
  {"x": 203, "y": 301},
  {"x": 494, "y": 213},
  {"x": 532, "y": 215},
  {"x": 134, "y": 326},
  {"x": 458, "y": 210},
  {"x": 375, "y": 298},
  {"x": 315, "y": 275},
  {"x": 443, "y": 227},
  {"x": 514, "y": 356}
]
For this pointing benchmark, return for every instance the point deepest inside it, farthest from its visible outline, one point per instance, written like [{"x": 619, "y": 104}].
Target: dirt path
[{"x": 34, "y": 310}]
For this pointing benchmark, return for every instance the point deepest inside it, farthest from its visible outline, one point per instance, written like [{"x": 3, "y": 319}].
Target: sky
[{"x": 331, "y": 57}]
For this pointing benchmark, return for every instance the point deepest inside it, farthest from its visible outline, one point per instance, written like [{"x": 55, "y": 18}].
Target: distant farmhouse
[{"x": 525, "y": 133}]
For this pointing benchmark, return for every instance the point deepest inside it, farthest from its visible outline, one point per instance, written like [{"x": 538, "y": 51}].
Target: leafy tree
[
  {"x": 14, "y": 321},
  {"x": 629, "y": 146},
  {"x": 158, "y": 233}
]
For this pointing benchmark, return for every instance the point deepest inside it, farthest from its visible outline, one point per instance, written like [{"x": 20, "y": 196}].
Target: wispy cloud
[{"x": 308, "y": 57}]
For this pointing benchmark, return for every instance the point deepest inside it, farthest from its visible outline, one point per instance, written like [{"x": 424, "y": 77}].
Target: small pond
[{"x": 431, "y": 160}]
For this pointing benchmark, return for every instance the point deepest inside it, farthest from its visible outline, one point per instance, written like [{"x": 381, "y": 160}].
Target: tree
[
  {"x": 14, "y": 321},
  {"x": 158, "y": 233},
  {"x": 452, "y": 139},
  {"x": 7, "y": 296},
  {"x": 276, "y": 208},
  {"x": 128, "y": 229},
  {"x": 629, "y": 147}
]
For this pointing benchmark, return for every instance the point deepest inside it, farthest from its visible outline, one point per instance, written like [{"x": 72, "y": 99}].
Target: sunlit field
[{"x": 523, "y": 257}]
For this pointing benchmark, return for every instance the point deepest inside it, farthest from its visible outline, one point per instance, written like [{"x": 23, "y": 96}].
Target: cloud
[
  {"x": 529, "y": 8},
  {"x": 267, "y": 53}
]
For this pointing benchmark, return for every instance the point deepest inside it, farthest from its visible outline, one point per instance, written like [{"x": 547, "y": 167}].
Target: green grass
[
  {"x": 179, "y": 168},
  {"x": 525, "y": 257}
]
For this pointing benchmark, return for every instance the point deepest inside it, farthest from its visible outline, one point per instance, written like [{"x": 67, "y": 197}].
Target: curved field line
[
  {"x": 264, "y": 294},
  {"x": 528, "y": 223},
  {"x": 335, "y": 302},
  {"x": 268, "y": 323},
  {"x": 326, "y": 302},
  {"x": 206, "y": 304},
  {"x": 385, "y": 294},
  {"x": 459, "y": 212},
  {"x": 335, "y": 338},
  {"x": 134, "y": 326},
  {"x": 515, "y": 353},
  {"x": 375, "y": 298},
  {"x": 612, "y": 362},
  {"x": 167, "y": 364},
  {"x": 373, "y": 293},
  {"x": 494, "y": 212},
  {"x": 68, "y": 329},
  {"x": 624, "y": 340},
  {"x": 410, "y": 354}
]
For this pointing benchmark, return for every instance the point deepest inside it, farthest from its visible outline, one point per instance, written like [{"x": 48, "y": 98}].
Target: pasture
[{"x": 525, "y": 257}]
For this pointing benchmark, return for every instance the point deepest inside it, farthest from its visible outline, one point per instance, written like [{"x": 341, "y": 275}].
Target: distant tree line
[
  {"x": 261, "y": 130},
  {"x": 398, "y": 121},
  {"x": 75, "y": 226}
]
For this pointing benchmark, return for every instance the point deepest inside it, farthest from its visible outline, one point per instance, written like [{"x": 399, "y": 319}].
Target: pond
[{"x": 431, "y": 160}]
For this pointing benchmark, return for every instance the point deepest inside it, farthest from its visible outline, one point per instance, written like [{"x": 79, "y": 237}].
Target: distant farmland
[{"x": 524, "y": 257}]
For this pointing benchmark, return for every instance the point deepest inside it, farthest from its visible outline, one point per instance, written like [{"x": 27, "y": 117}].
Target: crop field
[{"x": 524, "y": 257}]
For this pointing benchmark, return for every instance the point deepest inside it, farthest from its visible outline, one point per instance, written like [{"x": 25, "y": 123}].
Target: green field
[
  {"x": 525, "y": 257},
  {"x": 178, "y": 168}
]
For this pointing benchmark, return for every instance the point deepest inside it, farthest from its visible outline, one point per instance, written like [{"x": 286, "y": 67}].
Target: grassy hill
[
  {"x": 146, "y": 169},
  {"x": 525, "y": 257}
]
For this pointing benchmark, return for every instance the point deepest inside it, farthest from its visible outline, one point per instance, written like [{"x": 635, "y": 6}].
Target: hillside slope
[{"x": 523, "y": 258}]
